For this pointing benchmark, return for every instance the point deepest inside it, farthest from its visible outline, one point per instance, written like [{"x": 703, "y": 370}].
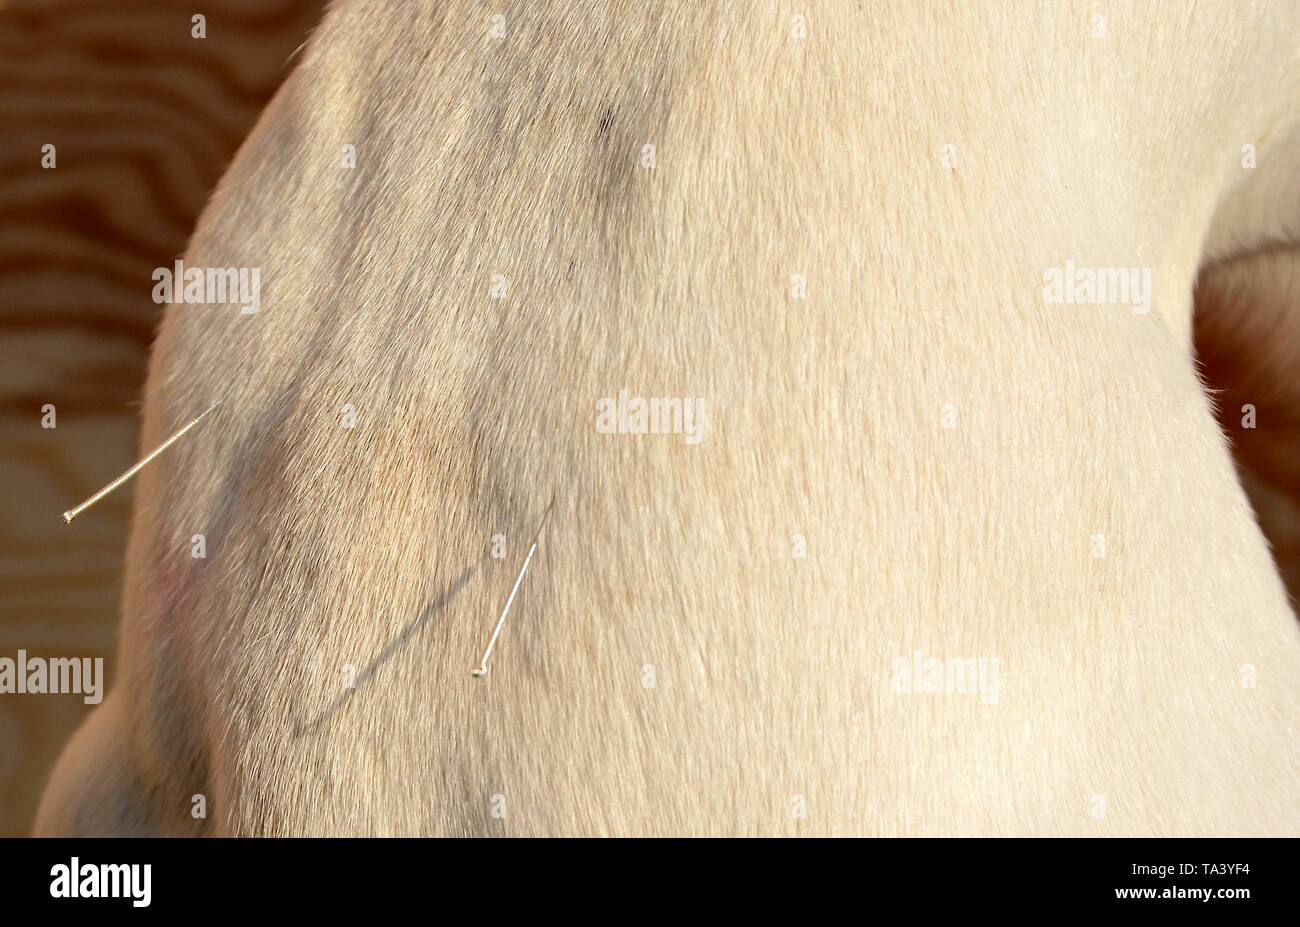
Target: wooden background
[{"x": 145, "y": 119}]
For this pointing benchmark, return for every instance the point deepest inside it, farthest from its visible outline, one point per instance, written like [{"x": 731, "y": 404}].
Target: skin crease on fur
[{"x": 944, "y": 444}]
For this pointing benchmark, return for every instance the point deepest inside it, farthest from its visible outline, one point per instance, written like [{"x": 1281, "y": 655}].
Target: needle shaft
[
  {"x": 482, "y": 668},
  {"x": 73, "y": 513}
]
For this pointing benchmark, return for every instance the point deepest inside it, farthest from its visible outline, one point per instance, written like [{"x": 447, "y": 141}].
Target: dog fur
[{"x": 1149, "y": 691}]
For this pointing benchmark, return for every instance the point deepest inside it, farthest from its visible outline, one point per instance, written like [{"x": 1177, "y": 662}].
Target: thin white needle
[
  {"x": 73, "y": 513},
  {"x": 482, "y": 668}
]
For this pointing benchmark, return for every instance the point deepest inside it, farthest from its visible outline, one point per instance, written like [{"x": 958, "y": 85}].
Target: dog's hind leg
[
  {"x": 1247, "y": 338},
  {"x": 98, "y": 788}
]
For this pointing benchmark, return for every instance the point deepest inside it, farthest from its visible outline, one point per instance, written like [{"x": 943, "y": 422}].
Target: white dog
[{"x": 852, "y": 342}]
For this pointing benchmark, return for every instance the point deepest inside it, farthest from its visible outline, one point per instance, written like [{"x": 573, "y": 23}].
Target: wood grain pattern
[{"x": 145, "y": 119}]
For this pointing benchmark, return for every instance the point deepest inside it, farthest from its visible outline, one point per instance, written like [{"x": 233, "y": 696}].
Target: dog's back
[{"x": 940, "y": 557}]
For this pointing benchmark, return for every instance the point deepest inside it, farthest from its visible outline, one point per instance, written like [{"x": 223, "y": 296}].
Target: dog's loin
[{"x": 956, "y": 546}]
